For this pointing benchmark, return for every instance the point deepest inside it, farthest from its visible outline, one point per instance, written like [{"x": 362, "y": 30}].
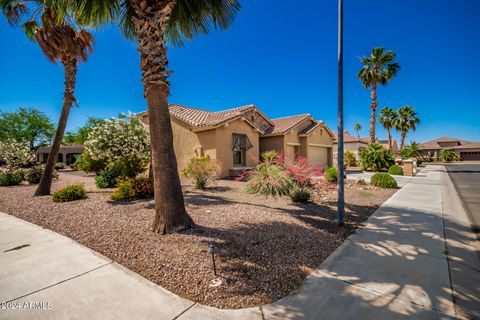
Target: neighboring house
[
  {"x": 234, "y": 137},
  {"x": 466, "y": 150},
  {"x": 350, "y": 143},
  {"x": 356, "y": 144},
  {"x": 67, "y": 154}
]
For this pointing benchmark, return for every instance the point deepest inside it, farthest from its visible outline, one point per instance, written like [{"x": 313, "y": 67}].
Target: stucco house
[
  {"x": 235, "y": 137},
  {"x": 466, "y": 150},
  {"x": 67, "y": 154},
  {"x": 356, "y": 144}
]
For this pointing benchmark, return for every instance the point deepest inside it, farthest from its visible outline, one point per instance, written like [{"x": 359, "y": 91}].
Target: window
[{"x": 241, "y": 143}]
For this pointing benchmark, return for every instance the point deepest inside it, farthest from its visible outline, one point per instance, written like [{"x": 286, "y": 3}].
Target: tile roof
[
  {"x": 202, "y": 118},
  {"x": 433, "y": 144},
  {"x": 311, "y": 128},
  {"x": 282, "y": 125},
  {"x": 347, "y": 138}
]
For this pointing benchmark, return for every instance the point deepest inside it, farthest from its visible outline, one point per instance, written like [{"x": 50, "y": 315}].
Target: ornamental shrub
[
  {"x": 349, "y": 158},
  {"x": 376, "y": 157},
  {"x": 70, "y": 193},
  {"x": 107, "y": 179},
  {"x": 383, "y": 180},
  {"x": 202, "y": 170},
  {"x": 34, "y": 174},
  {"x": 331, "y": 174},
  {"x": 448, "y": 156},
  {"x": 59, "y": 165},
  {"x": 10, "y": 178},
  {"x": 15, "y": 154},
  {"x": 300, "y": 195},
  {"x": 133, "y": 189},
  {"x": 269, "y": 179},
  {"x": 396, "y": 170},
  {"x": 86, "y": 164}
]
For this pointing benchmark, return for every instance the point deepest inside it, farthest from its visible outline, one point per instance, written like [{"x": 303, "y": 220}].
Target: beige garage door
[{"x": 318, "y": 156}]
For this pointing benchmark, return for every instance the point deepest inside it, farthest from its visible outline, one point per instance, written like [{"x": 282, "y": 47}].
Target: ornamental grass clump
[
  {"x": 269, "y": 179},
  {"x": 376, "y": 158},
  {"x": 396, "y": 170},
  {"x": 133, "y": 189},
  {"x": 202, "y": 170},
  {"x": 384, "y": 180},
  {"x": 71, "y": 192},
  {"x": 300, "y": 195}
]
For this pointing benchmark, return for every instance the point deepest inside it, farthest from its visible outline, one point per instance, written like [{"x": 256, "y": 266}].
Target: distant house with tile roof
[
  {"x": 356, "y": 144},
  {"x": 466, "y": 150},
  {"x": 236, "y": 137}
]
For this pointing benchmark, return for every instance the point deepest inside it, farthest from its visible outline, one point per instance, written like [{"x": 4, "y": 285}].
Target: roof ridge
[{"x": 297, "y": 115}]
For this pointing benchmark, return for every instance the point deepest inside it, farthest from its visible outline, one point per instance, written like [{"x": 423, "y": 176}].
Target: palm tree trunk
[
  {"x": 389, "y": 138},
  {"x": 373, "y": 115},
  {"x": 70, "y": 69},
  {"x": 151, "y": 24},
  {"x": 402, "y": 140}
]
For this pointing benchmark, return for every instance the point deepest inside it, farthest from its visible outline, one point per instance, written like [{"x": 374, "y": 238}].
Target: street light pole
[{"x": 341, "y": 170}]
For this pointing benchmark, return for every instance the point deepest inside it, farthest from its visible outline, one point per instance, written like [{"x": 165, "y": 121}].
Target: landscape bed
[{"x": 266, "y": 246}]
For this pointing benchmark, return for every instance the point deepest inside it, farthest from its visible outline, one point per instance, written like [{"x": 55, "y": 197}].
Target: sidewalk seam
[
  {"x": 57, "y": 283},
  {"x": 184, "y": 311}
]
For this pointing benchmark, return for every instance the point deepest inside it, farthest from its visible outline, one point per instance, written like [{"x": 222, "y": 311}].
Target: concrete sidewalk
[
  {"x": 366, "y": 175},
  {"x": 395, "y": 267}
]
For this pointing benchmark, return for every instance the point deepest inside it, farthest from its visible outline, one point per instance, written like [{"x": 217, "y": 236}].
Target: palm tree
[
  {"x": 49, "y": 24},
  {"x": 406, "y": 120},
  {"x": 387, "y": 118},
  {"x": 152, "y": 23},
  {"x": 379, "y": 68},
  {"x": 357, "y": 128}
]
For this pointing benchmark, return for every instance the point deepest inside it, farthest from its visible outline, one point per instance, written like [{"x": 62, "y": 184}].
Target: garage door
[
  {"x": 318, "y": 156},
  {"x": 470, "y": 155}
]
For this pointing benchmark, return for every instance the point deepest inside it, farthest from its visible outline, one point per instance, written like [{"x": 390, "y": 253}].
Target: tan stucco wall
[
  {"x": 271, "y": 143},
  {"x": 224, "y": 143},
  {"x": 321, "y": 137}
]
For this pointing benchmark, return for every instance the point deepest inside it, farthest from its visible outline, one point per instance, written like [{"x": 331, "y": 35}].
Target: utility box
[{"x": 408, "y": 168}]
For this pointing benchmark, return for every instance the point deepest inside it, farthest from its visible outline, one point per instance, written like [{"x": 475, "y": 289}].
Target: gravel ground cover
[{"x": 267, "y": 246}]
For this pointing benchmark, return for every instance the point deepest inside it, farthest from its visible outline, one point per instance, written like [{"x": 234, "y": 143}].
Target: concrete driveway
[{"x": 466, "y": 178}]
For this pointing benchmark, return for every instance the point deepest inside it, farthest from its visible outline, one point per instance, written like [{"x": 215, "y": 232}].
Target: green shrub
[
  {"x": 59, "y": 165},
  {"x": 34, "y": 174},
  {"x": 448, "y": 156},
  {"x": 10, "y": 178},
  {"x": 86, "y": 164},
  {"x": 107, "y": 179},
  {"x": 331, "y": 174},
  {"x": 384, "y": 180},
  {"x": 132, "y": 189},
  {"x": 396, "y": 170},
  {"x": 202, "y": 170},
  {"x": 376, "y": 157},
  {"x": 349, "y": 158},
  {"x": 269, "y": 179},
  {"x": 300, "y": 195},
  {"x": 70, "y": 193}
]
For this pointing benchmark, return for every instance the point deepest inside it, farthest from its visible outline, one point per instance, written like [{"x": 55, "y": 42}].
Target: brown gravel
[{"x": 267, "y": 246}]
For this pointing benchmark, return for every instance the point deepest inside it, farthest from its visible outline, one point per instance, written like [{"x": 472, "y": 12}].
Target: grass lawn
[{"x": 267, "y": 246}]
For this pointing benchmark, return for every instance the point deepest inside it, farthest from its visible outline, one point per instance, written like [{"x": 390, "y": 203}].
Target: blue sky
[{"x": 280, "y": 56}]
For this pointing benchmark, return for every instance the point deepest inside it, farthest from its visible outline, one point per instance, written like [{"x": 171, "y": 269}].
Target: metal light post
[{"x": 341, "y": 169}]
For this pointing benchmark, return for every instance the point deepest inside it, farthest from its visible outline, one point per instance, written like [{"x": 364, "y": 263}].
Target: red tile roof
[
  {"x": 347, "y": 138},
  {"x": 282, "y": 125},
  {"x": 433, "y": 144}
]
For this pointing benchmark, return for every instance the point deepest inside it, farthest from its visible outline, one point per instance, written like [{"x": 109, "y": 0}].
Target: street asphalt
[{"x": 466, "y": 178}]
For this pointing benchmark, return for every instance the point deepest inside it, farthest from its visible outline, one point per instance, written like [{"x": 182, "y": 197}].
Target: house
[
  {"x": 67, "y": 154},
  {"x": 350, "y": 143},
  {"x": 356, "y": 144},
  {"x": 236, "y": 137},
  {"x": 466, "y": 150}
]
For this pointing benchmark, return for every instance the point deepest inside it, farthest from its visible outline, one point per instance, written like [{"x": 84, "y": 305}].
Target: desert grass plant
[
  {"x": 383, "y": 180},
  {"x": 300, "y": 195},
  {"x": 396, "y": 170},
  {"x": 376, "y": 158},
  {"x": 331, "y": 174},
  {"x": 133, "y": 189},
  {"x": 202, "y": 170},
  {"x": 71, "y": 192},
  {"x": 269, "y": 179},
  {"x": 350, "y": 159}
]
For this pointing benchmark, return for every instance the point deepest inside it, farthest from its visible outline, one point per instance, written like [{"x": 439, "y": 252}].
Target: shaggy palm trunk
[
  {"x": 402, "y": 141},
  {"x": 373, "y": 115},
  {"x": 389, "y": 138},
  {"x": 151, "y": 24},
  {"x": 70, "y": 69}
]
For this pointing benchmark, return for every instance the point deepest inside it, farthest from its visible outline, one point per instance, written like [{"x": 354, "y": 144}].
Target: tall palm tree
[
  {"x": 49, "y": 24},
  {"x": 387, "y": 118},
  {"x": 378, "y": 68},
  {"x": 407, "y": 120},
  {"x": 357, "y": 128},
  {"x": 153, "y": 23}
]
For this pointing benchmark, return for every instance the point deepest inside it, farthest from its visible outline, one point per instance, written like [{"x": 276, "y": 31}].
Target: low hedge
[
  {"x": 384, "y": 180},
  {"x": 11, "y": 178},
  {"x": 70, "y": 193},
  {"x": 396, "y": 170}
]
